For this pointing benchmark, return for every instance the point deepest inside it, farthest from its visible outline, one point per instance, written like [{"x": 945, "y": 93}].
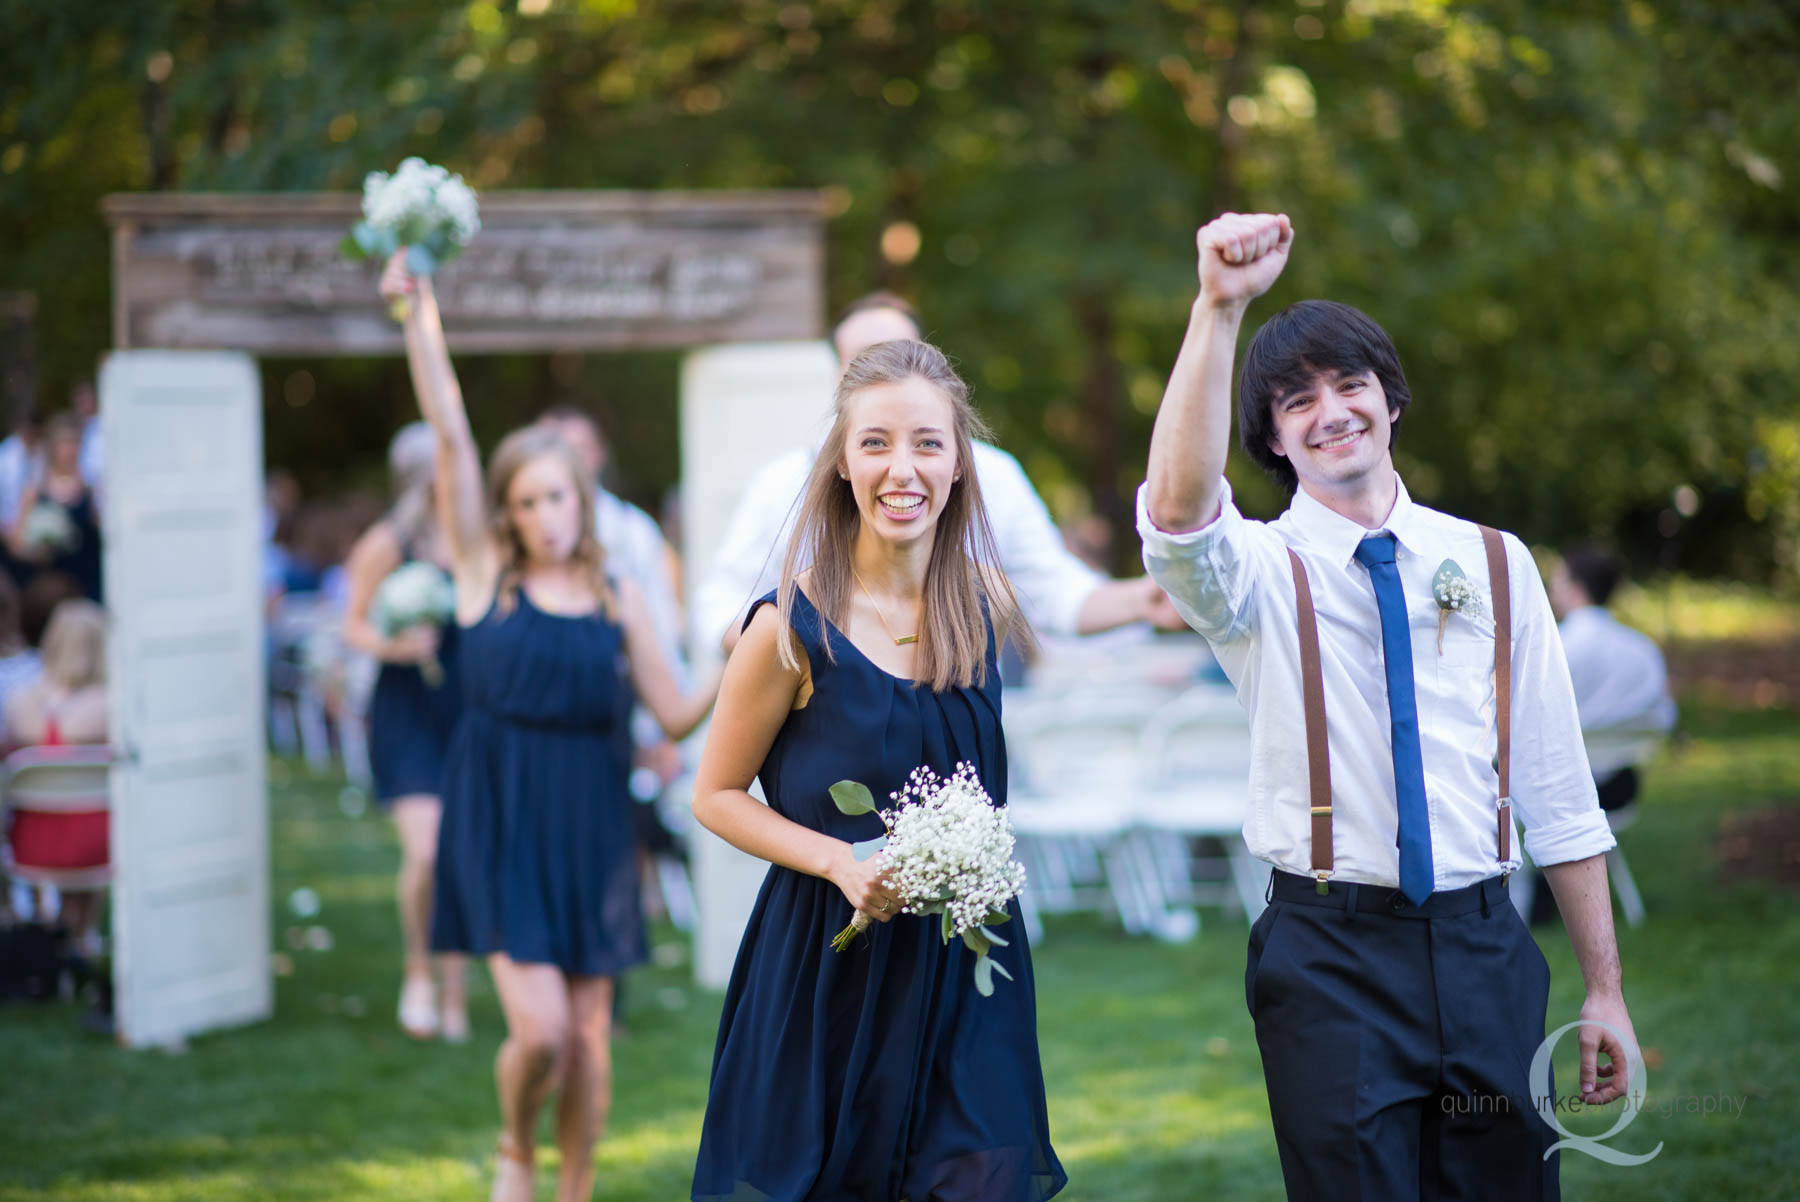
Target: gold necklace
[{"x": 898, "y": 641}]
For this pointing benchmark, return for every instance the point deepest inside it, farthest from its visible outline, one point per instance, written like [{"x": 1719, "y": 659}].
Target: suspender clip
[
  {"x": 1324, "y": 885},
  {"x": 1317, "y": 810}
]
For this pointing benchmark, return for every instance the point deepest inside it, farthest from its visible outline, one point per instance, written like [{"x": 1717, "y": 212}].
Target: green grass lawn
[{"x": 1155, "y": 1086}]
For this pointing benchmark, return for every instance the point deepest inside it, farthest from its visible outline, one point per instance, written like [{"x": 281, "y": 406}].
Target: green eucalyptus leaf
[
  {"x": 368, "y": 238},
  {"x": 352, "y": 249},
  {"x": 975, "y": 941},
  {"x": 993, "y": 938},
  {"x": 949, "y": 926},
  {"x": 853, "y": 798},
  {"x": 420, "y": 261},
  {"x": 999, "y": 968},
  {"x": 868, "y": 847},
  {"x": 1447, "y": 571},
  {"x": 984, "y": 977},
  {"x": 996, "y": 917}
]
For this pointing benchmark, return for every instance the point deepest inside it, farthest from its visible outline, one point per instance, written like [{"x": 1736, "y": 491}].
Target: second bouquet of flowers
[
  {"x": 415, "y": 594},
  {"x": 949, "y": 852}
]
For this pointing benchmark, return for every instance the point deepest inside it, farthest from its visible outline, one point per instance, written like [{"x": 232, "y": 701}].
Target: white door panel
[{"x": 184, "y": 594}]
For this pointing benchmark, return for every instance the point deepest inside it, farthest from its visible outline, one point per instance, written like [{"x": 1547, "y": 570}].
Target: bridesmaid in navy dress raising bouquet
[
  {"x": 412, "y": 712},
  {"x": 537, "y": 867},
  {"x": 879, "y": 1073}
]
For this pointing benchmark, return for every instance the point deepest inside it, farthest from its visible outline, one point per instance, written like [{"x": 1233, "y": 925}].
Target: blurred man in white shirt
[
  {"x": 1621, "y": 682},
  {"x": 1060, "y": 594}
]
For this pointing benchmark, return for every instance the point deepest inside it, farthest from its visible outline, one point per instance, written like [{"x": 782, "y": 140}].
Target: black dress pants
[{"x": 1396, "y": 1042}]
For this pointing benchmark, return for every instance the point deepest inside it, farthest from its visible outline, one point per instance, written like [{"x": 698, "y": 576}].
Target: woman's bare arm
[
  {"x": 461, "y": 507},
  {"x": 652, "y": 676},
  {"x": 755, "y": 698}
]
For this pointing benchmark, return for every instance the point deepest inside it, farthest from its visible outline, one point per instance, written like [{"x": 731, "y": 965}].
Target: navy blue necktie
[{"x": 1377, "y": 554}]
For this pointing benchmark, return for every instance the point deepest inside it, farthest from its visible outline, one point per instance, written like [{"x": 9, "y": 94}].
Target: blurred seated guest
[
  {"x": 20, "y": 665},
  {"x": 281, "y": 500},
  {"x": 58, "y": 521},
  {"x": 66, "y": 705},
  {"x": 38, "y": 601},
  {"x": 84, "y": 403},
  {"x": 18, "y": 456},
  {"x": 1621, "y": 682}
]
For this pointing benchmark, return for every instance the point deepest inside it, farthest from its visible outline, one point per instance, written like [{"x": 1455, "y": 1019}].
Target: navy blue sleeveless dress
[
  {"x": 410, "y": 723},
  {"x": 876, "y": 1074},
  {"x": 535, "y": 851}
]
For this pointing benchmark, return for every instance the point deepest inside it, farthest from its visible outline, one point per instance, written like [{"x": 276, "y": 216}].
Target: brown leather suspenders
[
  {"x": 1318, "y": 746},
  {"x": 1312, "y": 682},
  {"x": 1501, "y": 585}
]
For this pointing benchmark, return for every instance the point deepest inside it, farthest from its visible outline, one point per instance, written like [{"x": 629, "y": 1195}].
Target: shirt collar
[{"x": 1338, "y": 536}]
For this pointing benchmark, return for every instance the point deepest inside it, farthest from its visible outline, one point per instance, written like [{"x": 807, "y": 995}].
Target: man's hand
[
  {"x": 1241, "y": 257},
  {"x": 1603, "y": 1083}
]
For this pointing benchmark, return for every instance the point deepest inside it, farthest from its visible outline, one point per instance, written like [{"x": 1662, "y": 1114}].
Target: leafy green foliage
[{"x": 1577, "y": 220}]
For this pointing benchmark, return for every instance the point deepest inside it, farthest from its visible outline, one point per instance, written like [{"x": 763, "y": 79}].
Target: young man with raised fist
[{"x": 1406, "y": 691}]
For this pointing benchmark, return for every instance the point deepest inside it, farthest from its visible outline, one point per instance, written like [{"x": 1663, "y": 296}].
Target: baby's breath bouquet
[
  {"x": 415, "y": 594},
  {"x": 423, "y": 208},
  {"x": 948, "y": 851}
]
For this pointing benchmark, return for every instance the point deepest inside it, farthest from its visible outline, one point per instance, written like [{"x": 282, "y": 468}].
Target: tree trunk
[{"x": 1101, "y": 397}]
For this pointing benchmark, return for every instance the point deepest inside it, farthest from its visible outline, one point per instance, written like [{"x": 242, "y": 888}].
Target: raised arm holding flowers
[{"x": 537, "y": 866}]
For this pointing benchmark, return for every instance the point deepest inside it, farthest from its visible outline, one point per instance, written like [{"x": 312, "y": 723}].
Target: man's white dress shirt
[
  {"x": 1621, "y": 682},
  {"x": 633, "y": 543},
  {"x": 1232, "y": 582},
  {"x": 1051, "y": 582}
]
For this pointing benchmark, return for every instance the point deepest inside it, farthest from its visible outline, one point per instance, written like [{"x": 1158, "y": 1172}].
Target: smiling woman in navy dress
[
  {"x": 876, "y": 1074},
  {"x": 537, "y": 868}
]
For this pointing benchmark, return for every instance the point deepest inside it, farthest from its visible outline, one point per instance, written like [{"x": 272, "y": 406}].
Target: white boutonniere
[{"x": 1454, "y": 593}]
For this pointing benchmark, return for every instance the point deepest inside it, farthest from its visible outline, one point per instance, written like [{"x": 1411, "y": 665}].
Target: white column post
[{"x": 741, "y": 406}]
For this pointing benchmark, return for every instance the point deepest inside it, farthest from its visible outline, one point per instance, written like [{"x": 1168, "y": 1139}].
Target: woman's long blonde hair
[
  {"x": 74, "y": 652},
  {"x": 514, "y": 452},
  {"x": 964, "y": 584}
]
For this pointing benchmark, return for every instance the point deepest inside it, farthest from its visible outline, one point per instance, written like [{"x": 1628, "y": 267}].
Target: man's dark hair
[
  {"x": 1303, "y": 339},
  {"x": 1594, "y": 568},
  {"x": 881, "y": 300}
]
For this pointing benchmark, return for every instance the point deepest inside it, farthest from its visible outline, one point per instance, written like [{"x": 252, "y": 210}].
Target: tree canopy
[{"x": 1577, "y": 220}]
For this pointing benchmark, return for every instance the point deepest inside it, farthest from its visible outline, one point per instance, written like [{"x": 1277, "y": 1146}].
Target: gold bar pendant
[{"x": 911, "y": 638}]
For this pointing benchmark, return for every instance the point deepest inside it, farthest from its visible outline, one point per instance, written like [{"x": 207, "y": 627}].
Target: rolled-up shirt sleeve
[
  {"x": 1206, "y": 572},
  {"x": 1553, "y": 790}
]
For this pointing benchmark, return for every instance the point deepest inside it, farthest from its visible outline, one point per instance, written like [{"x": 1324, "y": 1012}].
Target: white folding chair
[
  {"x": 1611, "y": 751},
  {"x": 59, "y": 803},
  {"x": 1196, "y": 757},
  {"x": 1608, "y": 751},
  {"x": 1074, "y": 769}
]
